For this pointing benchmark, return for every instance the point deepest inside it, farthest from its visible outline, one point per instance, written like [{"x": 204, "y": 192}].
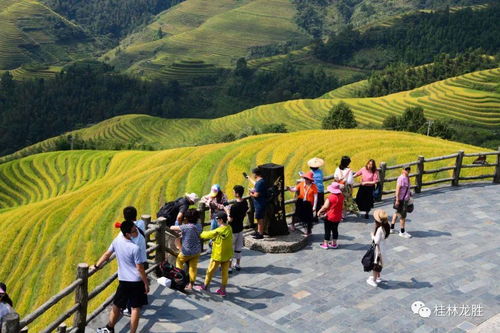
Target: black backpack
[
  {"x": 178, "y": 276},
  {"x": 170, "y": 210},
  {"x": 368, "y": 259}
]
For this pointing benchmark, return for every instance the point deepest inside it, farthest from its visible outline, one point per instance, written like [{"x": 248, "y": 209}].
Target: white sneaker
[
  {"x": 126, "y": 312},
  {"x": 103, "y": 330},
  {"x": 404, "y": 234},
  {"x": 393, "y": 231},
  {"x": 371, "y": 282},
  {"x": 378, "y": 280}
]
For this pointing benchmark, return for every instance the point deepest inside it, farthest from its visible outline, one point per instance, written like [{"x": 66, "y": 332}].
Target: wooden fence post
[
  {"x": 420, "y": 174},
  {"x": 147, "y": 220},
  {"x": 81, "y": 297},
  {"x": 160, "y": 240},
  {"x": 10, "y": 323},
  {"x": 381, "y": 177},
  {"x": 458, "y": 167},
  {"x": 61, "y": 328},
  {"x": 496, "y": 178}
]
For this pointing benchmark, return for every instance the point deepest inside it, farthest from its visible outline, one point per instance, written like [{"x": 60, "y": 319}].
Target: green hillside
[
  {"x": 472, "y": 97},
  {"x": 32, "y": 32},
  {"x": 304, "y": 58},
  {"x": 216, "y": 32},
  {"x": 58, "y": 209}
]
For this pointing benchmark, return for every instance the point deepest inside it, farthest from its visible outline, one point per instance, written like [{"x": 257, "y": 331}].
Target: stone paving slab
[{"x": 453, "y": 260}]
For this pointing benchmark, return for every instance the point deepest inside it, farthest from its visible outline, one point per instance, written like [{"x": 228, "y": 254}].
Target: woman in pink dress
[{"x": 369, "y": 179}]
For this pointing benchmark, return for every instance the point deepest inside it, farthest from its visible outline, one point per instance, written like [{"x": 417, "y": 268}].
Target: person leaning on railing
[{"x": 133, "y": 285}]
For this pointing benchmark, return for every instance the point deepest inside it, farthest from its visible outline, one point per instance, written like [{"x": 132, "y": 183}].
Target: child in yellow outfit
[{"x": 222, "y": 252}]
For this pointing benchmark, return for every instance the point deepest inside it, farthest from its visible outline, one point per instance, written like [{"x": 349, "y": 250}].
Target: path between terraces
[{"x": 451, "y": 264}]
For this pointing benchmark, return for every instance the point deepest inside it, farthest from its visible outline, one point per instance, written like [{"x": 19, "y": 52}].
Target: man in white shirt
[{"x": 133, "y": 284}]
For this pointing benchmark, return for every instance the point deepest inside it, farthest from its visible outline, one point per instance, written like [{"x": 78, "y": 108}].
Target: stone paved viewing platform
[{"x": 453, "y": 259}]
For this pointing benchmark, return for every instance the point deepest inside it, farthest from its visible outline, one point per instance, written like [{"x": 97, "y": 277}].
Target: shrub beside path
[{"x": 452, "y": 260}]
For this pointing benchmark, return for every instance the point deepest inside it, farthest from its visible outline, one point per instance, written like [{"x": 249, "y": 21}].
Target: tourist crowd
[{"x": 226, "y": 230}]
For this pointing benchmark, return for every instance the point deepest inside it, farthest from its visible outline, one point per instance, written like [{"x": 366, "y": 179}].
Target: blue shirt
[
  {"x": 191, "y": 243},
  {"x": 127, "y": 255},
  {"x": 318, "y": 180},
  {"x": 261, "y": 188},
  {"x": 140, "y": 241}
]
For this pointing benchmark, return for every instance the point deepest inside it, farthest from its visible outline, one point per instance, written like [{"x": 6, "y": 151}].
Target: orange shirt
[{"x": 307, "y": 192}]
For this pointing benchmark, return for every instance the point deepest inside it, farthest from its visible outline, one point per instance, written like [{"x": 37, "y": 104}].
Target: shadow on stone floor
[
  {"x": 412, "y": 284},
  {"x": 429, "y": 233}
]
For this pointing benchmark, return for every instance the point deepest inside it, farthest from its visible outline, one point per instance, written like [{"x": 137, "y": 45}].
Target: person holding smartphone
[{"x": 259, "y": 196}]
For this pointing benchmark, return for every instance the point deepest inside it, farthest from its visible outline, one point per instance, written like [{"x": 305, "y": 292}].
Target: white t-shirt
[
  {"x": 345, "y": 174},
  {"x": 128, "y": 255},
  {"x": 141, "y": 241},
  {"x": 379, "y": 239},
  {"x": 5, "y": 309}
]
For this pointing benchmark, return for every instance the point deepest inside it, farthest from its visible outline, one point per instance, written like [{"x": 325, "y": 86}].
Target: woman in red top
[
  {"x": 307, "y": 199},
  {"x": 333, "y": 208}
]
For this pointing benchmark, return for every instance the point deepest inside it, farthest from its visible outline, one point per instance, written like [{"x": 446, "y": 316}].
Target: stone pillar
[{"x": 275, "y": 220}]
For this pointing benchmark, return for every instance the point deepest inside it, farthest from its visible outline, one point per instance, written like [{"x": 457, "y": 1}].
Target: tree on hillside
[
  {"x": 439, "y": 128},
  {"x": 340, "y": 116},
  {"x": 392, "y": 123},
  {"x": 413, "y": 119}
]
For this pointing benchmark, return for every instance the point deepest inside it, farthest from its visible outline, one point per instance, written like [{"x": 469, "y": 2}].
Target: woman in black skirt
[{"x": 369, "y": 178}]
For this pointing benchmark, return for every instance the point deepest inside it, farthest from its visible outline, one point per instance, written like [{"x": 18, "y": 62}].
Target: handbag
[
  {"x": 368, "y": 259},
  {"x": 377, "y": 193},
  {"x": 410, "y": 207}
]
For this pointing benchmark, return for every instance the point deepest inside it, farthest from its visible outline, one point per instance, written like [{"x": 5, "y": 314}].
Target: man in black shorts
[
  {"x": 133, "y": 284},
  {"x": 260, "y": 200}
]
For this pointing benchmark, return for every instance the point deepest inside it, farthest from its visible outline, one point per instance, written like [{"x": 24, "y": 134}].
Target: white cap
[{"x": 193, "y": 197}]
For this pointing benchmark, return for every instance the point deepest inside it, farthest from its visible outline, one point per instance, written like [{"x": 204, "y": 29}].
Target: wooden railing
[
  {"x": 79, "y": 287},
  {"x": 163, "y": 244}
]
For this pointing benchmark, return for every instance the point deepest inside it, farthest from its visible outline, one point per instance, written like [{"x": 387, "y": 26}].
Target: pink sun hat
[{"x": 334, "y": 188}]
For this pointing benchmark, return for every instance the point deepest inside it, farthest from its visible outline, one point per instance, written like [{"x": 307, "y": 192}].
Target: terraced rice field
[
  {"x": 215, "y": 32},
  {"x": 304, "y": 58},
  {"x": 471, "y": 97},
  {"x": 347, "y": 91},
  {"x": 57, "y": 209},
  {"x": 27, "y": 35},
  {"x": 22, "y": 73},
  {"x": 184, "y": 71}
]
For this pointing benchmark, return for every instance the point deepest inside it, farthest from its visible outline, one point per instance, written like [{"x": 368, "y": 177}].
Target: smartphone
[{"x": 245, "y": 175}]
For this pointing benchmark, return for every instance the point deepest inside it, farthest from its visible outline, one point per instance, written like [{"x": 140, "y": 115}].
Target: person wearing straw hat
[
  {"x": 315, "y": 164},
  {"x": 332, "y": 215},
  {"x": 307, "y": 199},
  {"x": 378, "y": 236}
]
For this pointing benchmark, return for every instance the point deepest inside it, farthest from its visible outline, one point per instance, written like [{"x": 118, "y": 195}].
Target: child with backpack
[
  {"x": 222, "y": 252},
  {"x": 191, "y": 245}
]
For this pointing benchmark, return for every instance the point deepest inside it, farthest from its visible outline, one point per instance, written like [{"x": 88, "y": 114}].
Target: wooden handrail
[{"x": 14, "y": 325}]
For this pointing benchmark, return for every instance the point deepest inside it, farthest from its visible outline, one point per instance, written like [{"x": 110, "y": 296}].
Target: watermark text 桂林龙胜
[{"x": 449, "y": 310}]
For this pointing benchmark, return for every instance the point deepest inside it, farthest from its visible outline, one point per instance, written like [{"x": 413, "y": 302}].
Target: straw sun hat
[
  {"x": 380, "y": 215},
  {"x": 315, "y": 162}
]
